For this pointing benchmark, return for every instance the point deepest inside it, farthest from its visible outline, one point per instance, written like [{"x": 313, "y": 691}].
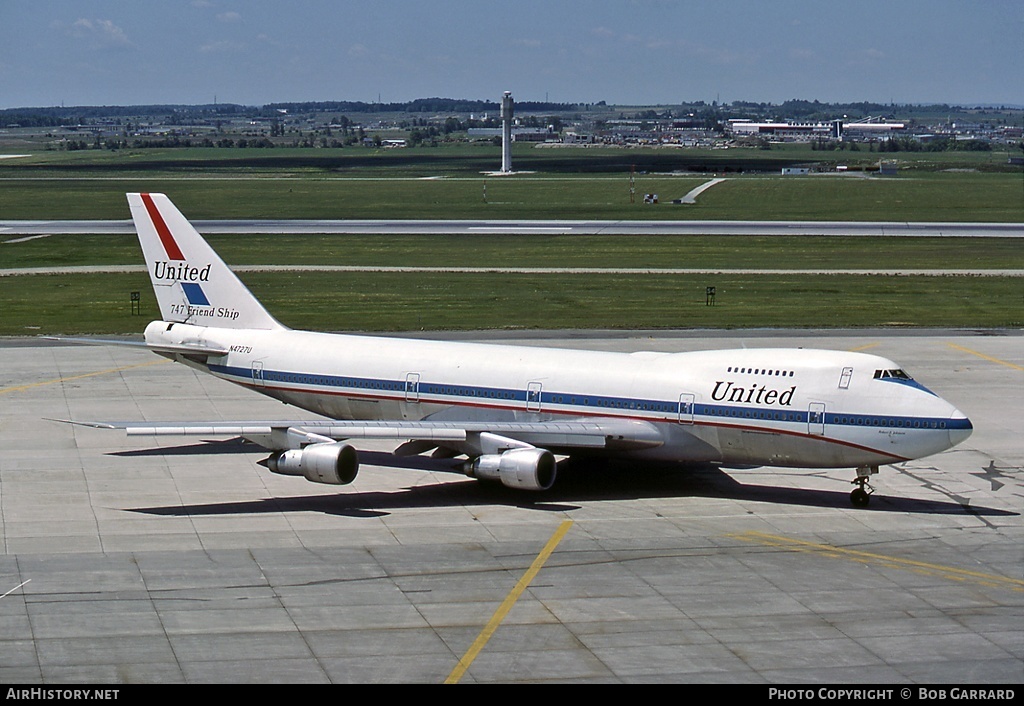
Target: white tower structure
[{"x": 506, "y": 132}]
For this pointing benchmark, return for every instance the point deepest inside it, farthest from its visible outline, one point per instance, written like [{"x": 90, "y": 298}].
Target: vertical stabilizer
[{"x": 191, "y": 282}]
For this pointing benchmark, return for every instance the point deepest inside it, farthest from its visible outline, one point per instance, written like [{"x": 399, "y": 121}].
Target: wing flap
[
  {"x": 201, "y": 429},
  {"x": 617, "y": 434}
]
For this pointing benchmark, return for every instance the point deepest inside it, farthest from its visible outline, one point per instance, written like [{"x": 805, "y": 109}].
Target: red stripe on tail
[{"x": 170, "y": 247}]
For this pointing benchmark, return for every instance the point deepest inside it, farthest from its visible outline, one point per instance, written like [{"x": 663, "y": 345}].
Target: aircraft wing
[{"x": 601, "y": 433}]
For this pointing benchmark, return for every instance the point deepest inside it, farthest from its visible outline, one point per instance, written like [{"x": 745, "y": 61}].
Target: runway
[
  {"x": 157, "y": 561},
  {"x": 539, "y": 227},
  {"x": 639, "y": 271}
]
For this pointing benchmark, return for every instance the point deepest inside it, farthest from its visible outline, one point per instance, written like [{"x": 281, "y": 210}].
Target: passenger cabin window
[{"x": 759, "y": 371}]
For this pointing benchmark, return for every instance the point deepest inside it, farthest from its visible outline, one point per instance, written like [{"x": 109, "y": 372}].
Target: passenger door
[{"x": 816, "y": 419}]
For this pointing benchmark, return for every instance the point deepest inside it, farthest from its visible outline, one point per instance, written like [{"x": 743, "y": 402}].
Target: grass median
[
  {"x": 932, "y": 197},
  {"x": 100, "y": 303},
  {"x": 639, "y": 251}
]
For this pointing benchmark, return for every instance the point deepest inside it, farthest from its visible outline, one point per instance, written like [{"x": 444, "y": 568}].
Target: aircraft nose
[{"x": 959, "y": 427}]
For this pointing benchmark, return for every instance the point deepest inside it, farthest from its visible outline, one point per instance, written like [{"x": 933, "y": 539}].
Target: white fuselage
[{"x": 782, "y": 407}]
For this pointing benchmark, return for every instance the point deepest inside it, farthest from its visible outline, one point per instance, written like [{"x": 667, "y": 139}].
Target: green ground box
[{"x": 570, "y": 184}]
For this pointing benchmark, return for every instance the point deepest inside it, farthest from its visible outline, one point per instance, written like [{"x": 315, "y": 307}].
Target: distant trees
[
  {"x": 433, "y": 120},
  {"x": 424, "y": 135},
  {"x": 419, "y": 105},
  {"x": 940, "y": 144},
  {"x": 907, "y": 144}
]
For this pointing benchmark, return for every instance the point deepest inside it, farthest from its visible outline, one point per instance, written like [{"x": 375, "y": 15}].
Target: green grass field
[
  {"x": 572, "y": 184},
  {"x": 680, "y": 252},
  {"x": 469, "y": 159},
  {"x": 100, "y": 303},
  {"x": 932, "y": 197},
  {"x": 448, "y": 182}
]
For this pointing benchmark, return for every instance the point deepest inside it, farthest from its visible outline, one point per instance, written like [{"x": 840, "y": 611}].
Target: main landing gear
[{"x": 861, "y": 495}]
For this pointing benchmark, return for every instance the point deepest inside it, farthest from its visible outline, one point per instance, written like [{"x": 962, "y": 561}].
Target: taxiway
[
  {"x": 136, "y": 560},
  {"x": 538, "y": 227}
]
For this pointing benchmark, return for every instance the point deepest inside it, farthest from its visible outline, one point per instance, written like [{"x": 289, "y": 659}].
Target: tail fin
[{"x": 191, "y": 282}]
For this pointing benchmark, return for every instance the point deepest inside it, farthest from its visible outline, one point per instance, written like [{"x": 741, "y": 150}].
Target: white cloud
[
  {"x": 229, "y": 17},
  {"x": 101, "y": 34}
]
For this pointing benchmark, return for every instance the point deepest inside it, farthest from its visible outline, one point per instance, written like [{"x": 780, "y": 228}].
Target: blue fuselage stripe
[{"x": 567, "y": 402}]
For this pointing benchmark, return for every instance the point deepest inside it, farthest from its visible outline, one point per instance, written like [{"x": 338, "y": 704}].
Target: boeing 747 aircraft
[{"x": 510, "y": 409}]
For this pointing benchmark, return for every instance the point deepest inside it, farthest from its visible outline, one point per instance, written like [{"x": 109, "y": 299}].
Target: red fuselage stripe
[{"x": 262, "y": 389}]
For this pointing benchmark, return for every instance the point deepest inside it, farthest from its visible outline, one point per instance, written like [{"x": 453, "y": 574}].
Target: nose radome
[{"x": 960, "y": 427}]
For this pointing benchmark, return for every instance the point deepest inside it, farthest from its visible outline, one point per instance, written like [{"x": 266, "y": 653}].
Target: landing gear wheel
[{"x": 860, "y": 497}]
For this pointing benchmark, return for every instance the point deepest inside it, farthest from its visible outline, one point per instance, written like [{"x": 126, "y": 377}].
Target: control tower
[{"x": 506, "y": 132}]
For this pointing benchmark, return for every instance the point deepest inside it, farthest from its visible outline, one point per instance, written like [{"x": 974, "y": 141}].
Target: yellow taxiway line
[
  {"x": 19, "y": 388},
  {"x": 506, "y": 605},
  {"x": 921, "y": 567},
  {"x": 986, "y": 357}
]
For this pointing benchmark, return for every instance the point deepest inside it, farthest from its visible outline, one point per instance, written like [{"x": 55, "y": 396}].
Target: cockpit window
[{"x": 897, "y": 374}]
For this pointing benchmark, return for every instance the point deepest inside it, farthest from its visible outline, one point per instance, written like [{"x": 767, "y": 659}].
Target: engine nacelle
[
  {"x": 334, "y": 464},
  {"x": 526, "y": 469}
]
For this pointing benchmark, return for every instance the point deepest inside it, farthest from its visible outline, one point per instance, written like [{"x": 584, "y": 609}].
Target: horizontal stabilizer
[
  {"x": 96, "y": 341},
  {"x": 187, "y": 349}
]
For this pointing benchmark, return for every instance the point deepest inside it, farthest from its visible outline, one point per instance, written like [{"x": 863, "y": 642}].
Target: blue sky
[{"x": 635, "y": 52}]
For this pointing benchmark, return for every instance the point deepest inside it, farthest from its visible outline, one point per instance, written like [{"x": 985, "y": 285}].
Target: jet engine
[
  {"x": 526, "y": 469},
  {"x": 331, "y": 463}
]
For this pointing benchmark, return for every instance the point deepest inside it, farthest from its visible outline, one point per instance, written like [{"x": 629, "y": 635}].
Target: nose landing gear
[{"x": 861, "y": 495}]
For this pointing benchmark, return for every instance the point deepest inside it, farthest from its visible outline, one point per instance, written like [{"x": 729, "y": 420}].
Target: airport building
[
  {"x": 519, "y": 134},
  {"x": 782, "y": 131},
  {"x": 872, "y": 131},
  {"x": 808, "y": 131}
]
